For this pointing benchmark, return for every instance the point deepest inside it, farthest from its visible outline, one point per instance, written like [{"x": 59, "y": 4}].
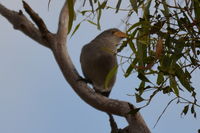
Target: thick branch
[
  {"x": 63, "y": 24},
  {"x": 20, "y": 22}
]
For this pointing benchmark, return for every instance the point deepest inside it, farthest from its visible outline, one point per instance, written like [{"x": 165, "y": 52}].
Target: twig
[
  {"x": 21, "y": 23},
  {"x": 36, "y": 18},
  {"x": 164, "y": 111},
  {"x": 189, "y": 101}
]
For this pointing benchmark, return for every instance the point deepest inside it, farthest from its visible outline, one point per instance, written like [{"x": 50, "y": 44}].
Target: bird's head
[{"x": 113, "y": 35}]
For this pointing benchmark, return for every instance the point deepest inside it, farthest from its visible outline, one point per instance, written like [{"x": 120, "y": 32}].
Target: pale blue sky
[{"x": 35, "y": 98}]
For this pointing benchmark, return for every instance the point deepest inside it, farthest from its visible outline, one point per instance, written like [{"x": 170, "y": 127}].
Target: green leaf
[
  {"x": 136, "y": 25},
  {"x": 196, "y": 9},
  {"x": 98, "y": 18},
  {"x": 71, "y": 14},
  {"x": 165, "y": 67},
  {"x": 141, "y": 87},
  {"x": 131, "y": 67},
  {"x": 91, "y": 22},
  {"x": 146, "y": 10},
  {"x": 185, "y": 110},
  {"x": 130, "y": 41},
  {"x": 142, "y": 49},
  {"x": 187, "y": 74},
  {"x": 102, "y": 6},
  {"x": 133, "y": 34},
  {"x": 91, "y": 4},
  {"x": 156, "y": 27},
  {"x": 194, "y": 94},
  {"x": 134, "y": 111},
  {"x": 123, "y": 45},
  {"x": 166, "y": 90},
  {"x": 166, "y": 61},
  {"x": 143, "y": 78},
  {"x": 193, "y": 60},
  {"x": 85, "y": 11},
  {"x": 192, "y": 109},
  {"x": 143, "y": 39},
  {"x": 166, "y": 12},
  {"x": 160, "y": 78},
  {"x": 132, "y": 46},
  {"x": 173, "y": 84},
  {"x": 134, "y": 5},
  {"x": 118, "y": 6},
  {"x": 138, "y": 98},
  {"x": 110, "y": 76},
  {"x": 76, "y": 28},
  {"x": 182, "y": 78}
]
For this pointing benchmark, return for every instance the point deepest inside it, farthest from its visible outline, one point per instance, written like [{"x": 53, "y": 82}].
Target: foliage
[{"x": 164, "y": 44}]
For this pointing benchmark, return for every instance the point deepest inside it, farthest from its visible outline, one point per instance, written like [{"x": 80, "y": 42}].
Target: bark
[{"x": 58, "y": 45}]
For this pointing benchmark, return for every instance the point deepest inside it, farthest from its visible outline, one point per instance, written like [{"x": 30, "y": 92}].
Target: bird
[{"x": 98, "y": 58}]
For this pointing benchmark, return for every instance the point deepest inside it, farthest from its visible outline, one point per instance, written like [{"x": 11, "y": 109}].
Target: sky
[{"x": 35, "y": 98}]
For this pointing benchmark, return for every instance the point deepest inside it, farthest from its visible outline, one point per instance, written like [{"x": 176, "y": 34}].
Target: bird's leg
[
  {"x": 84, "y": 80},
  {"x": 113, "y": 124},
  {"x": 106, "y": 93}
]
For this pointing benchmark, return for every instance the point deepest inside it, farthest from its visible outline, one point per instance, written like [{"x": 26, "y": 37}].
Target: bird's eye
[{"x": 113, "y": 32}]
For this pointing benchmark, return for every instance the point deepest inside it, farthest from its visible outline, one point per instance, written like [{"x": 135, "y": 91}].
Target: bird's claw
[{"x": 84, "y": 80}]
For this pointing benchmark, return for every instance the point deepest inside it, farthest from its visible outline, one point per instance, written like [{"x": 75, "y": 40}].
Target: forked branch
[{"x": 21, "y": 23}]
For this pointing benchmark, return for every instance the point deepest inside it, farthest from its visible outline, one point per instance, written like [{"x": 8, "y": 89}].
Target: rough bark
[{"x": 58, "y": 45}]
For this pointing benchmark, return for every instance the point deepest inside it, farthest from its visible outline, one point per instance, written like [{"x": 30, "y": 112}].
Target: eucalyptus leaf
[
  {"x": 185, "y": 110},
  {"x": 118, "y": 6},
  {"x": 139, "y": 98},
  {"x": 110, "y": 76},
  {"x": 71, "y": 14},
  {"x": 143, "y": 78},
  {"x": 76, "y": 28},
  {"x": 160, "y": 78},
  {"x": 173, "y": 84},
  {"x": 134, "y": 5}
]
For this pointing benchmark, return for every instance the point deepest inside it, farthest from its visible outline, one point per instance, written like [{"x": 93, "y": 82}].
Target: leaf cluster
[{"x": 164, "y": 45}]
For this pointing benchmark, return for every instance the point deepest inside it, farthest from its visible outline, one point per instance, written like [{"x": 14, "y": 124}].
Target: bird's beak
[{"x": 120, "y": 34}]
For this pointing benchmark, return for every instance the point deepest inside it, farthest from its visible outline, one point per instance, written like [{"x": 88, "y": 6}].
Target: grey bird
[{"x": 98, "y": 58}]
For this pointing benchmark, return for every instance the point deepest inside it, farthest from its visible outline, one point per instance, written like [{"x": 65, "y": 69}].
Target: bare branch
[
  {"x": 164, "y": 111},
  {"x": 20, "y": 22},
  {"x": 46, "y": 35},
  {"x": 63, "y": 23},
  {"x": 36, "y": 18}
]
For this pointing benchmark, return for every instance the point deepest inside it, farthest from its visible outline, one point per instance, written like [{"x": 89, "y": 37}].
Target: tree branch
[
  {"x": 36, "y": 18},
  {"x": 21, "y": 23},
  {"x": 46, "y": 34},
  {"x": 63, "y": 23},
  {"x": 57, "y": 43}
]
